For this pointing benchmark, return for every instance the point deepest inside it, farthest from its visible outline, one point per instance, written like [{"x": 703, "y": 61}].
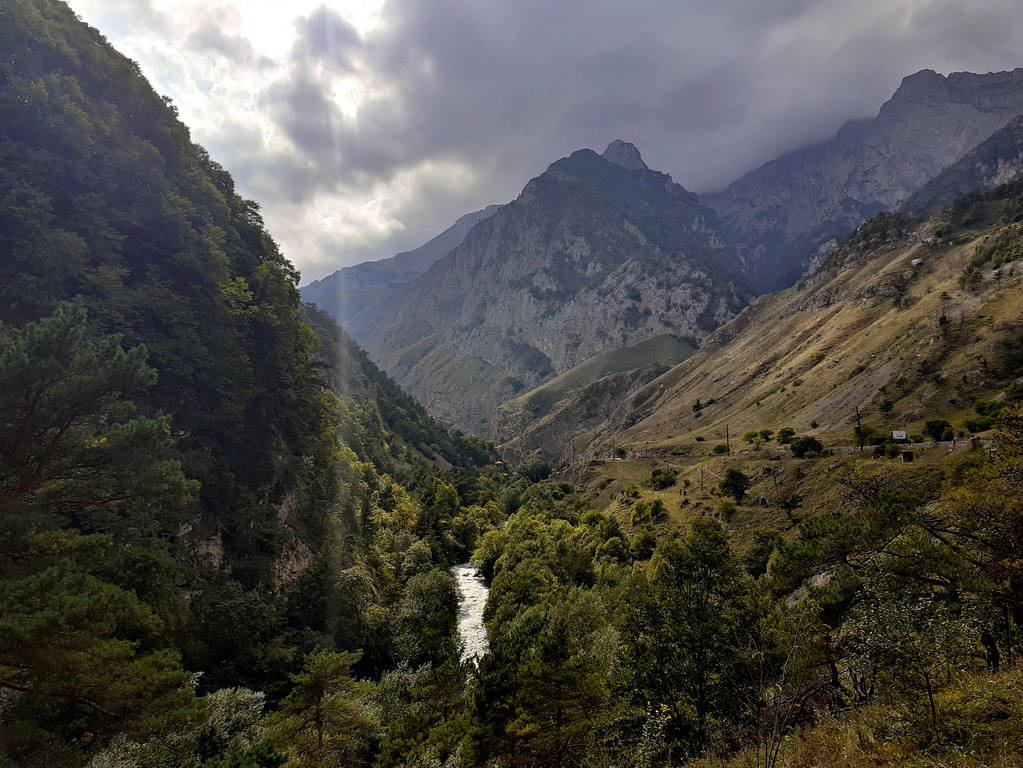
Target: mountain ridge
[
  {"x": 802, "y": 203},
  {"x": 592, "y": 255},
  {"x": 350, "y": 291}
]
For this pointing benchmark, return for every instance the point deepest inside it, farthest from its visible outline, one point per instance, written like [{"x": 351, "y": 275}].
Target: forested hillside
[{"x": 202, "y": 485}]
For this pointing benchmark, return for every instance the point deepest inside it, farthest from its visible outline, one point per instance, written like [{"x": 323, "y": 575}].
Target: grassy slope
[
  {"x": 546, "y": 417},
  {"x": 817, "y": 352}
]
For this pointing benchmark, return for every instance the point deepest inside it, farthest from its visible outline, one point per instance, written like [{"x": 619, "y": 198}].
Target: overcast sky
[{"x": 365, "y": 127}]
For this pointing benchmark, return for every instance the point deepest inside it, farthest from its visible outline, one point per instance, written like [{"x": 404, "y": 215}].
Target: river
[{"x": 472, "y": 599}]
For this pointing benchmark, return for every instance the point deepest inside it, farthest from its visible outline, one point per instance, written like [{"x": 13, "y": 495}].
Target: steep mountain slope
[
  {"x": 105, "y": 200},
  {"x": 593, "y": 255},
  {"x": 784, "y": 212},
  {"x": 996, "y": 160},
  {"x": 355, "y": 295},
  {"x": 866, "y": 332},
  {"x": 548, "y": 418},
  {"x": 198, "y": 490}
]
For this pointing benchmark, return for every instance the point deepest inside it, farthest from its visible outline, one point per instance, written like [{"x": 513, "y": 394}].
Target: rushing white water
[{"x": 472, "y": 598}]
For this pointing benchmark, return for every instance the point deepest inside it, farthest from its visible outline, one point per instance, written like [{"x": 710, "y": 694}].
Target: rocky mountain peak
[
  {"x": 791, "y": 210},
  {"x": 624, "y": 154}
]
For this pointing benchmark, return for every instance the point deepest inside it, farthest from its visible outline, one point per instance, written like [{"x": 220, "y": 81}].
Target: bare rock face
[
  {"x": 354, "y": 295},
  {"x": 781, "y": 213},
  {"x": 624, "y": 154},
  {"x": 597, "y": 253},
  {"x": 995, "y": 161}
]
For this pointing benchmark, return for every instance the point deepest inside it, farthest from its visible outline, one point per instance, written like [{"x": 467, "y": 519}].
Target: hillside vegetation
[{"x": 909, "y": 321}]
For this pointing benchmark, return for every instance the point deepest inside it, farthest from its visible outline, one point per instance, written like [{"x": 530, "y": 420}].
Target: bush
[
  {"x": 720, "y": 448},
  {"x": 935, "y": 428},
  {"x": 979, "y": 424},
  {"x": 657, "y": 510},
  {"x": 640, "y": 513},
  {"x": 643, "y": 543},
  {"x": 700, "y": 439},
  {"x": 663, "y": 477},
  {"x": 735, "y": 484},
  {"x": 785, "y": 435},
  {"x": 726, "y": 508},
  {"x": 806, "y": 447}
]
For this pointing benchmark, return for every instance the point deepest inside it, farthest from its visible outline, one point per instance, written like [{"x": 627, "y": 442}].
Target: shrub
[
  {"x": 643, "y": 543},
  {"x": 726, "y": 508},
  {"x": 979, "y": 424},
  {"x": 663, "y": 477},
  {"x": 735, "y": 484},
  {"x": 658, "y": 510},
  {"x": 935, "y": 428},
  {"x": 630, "y": 492},
  {"x": 640, "y": 513},
  {"x": 785, "y": 435},
  {"x": 720, "y": 448},
  {"x": 700, "y": 439},
  {"x": 806, "y": 447}
]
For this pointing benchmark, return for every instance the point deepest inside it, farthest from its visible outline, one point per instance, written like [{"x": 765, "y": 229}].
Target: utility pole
[
  {"x": 728, "y": 443},
  {"x": 859, "y": 428}
]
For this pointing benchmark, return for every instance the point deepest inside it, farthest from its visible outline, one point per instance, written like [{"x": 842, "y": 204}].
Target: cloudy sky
[{"x": 365, "y": 127}]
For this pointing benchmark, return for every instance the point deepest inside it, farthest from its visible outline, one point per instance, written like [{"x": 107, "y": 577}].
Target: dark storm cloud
[
  {"x": 707, "y": 90},
  {"x": 326, "y": 37},
  {"x": 210, "y": 38}
]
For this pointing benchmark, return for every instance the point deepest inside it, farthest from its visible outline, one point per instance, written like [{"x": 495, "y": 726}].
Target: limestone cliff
[{"x": 598, "y": 252}]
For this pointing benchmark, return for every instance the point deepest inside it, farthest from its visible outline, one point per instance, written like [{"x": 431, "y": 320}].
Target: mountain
[
  {"x": 204, "y": 485},
  {"x": 598, "y": 252},
  {"x": 352, "y": 291},
  {"x": 908, "y": 320},
  {"x": 996, "y": 160},
  {"x": 801, "y": 204}
]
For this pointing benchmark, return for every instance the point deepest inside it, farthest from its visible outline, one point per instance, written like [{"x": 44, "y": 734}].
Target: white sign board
[{"x": 898, "y": 434}]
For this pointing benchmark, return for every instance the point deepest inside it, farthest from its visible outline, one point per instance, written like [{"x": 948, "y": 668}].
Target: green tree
[
  {"x": 785, "y": 435},
  {"x": 685, "y": 626},
  {"x": 735, "y": 484},
  {"x": 804, "y": 447},
  {"x": 915, "y": 638},
  {"x": 663, "y": 477},
  {"x": 542, "y": 695},
  {"x": 936, "y": 428},
  {"x": 328, "y": 718},
  {"x": 81, "y": 471}
]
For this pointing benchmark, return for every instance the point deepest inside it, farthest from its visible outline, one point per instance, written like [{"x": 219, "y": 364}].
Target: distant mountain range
[
  {"x": 790, "y": 209},
  {"x": 350, "y": 291},
  {"x": 596, "y": 253},
  {"x": 600, "y": 253}
]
